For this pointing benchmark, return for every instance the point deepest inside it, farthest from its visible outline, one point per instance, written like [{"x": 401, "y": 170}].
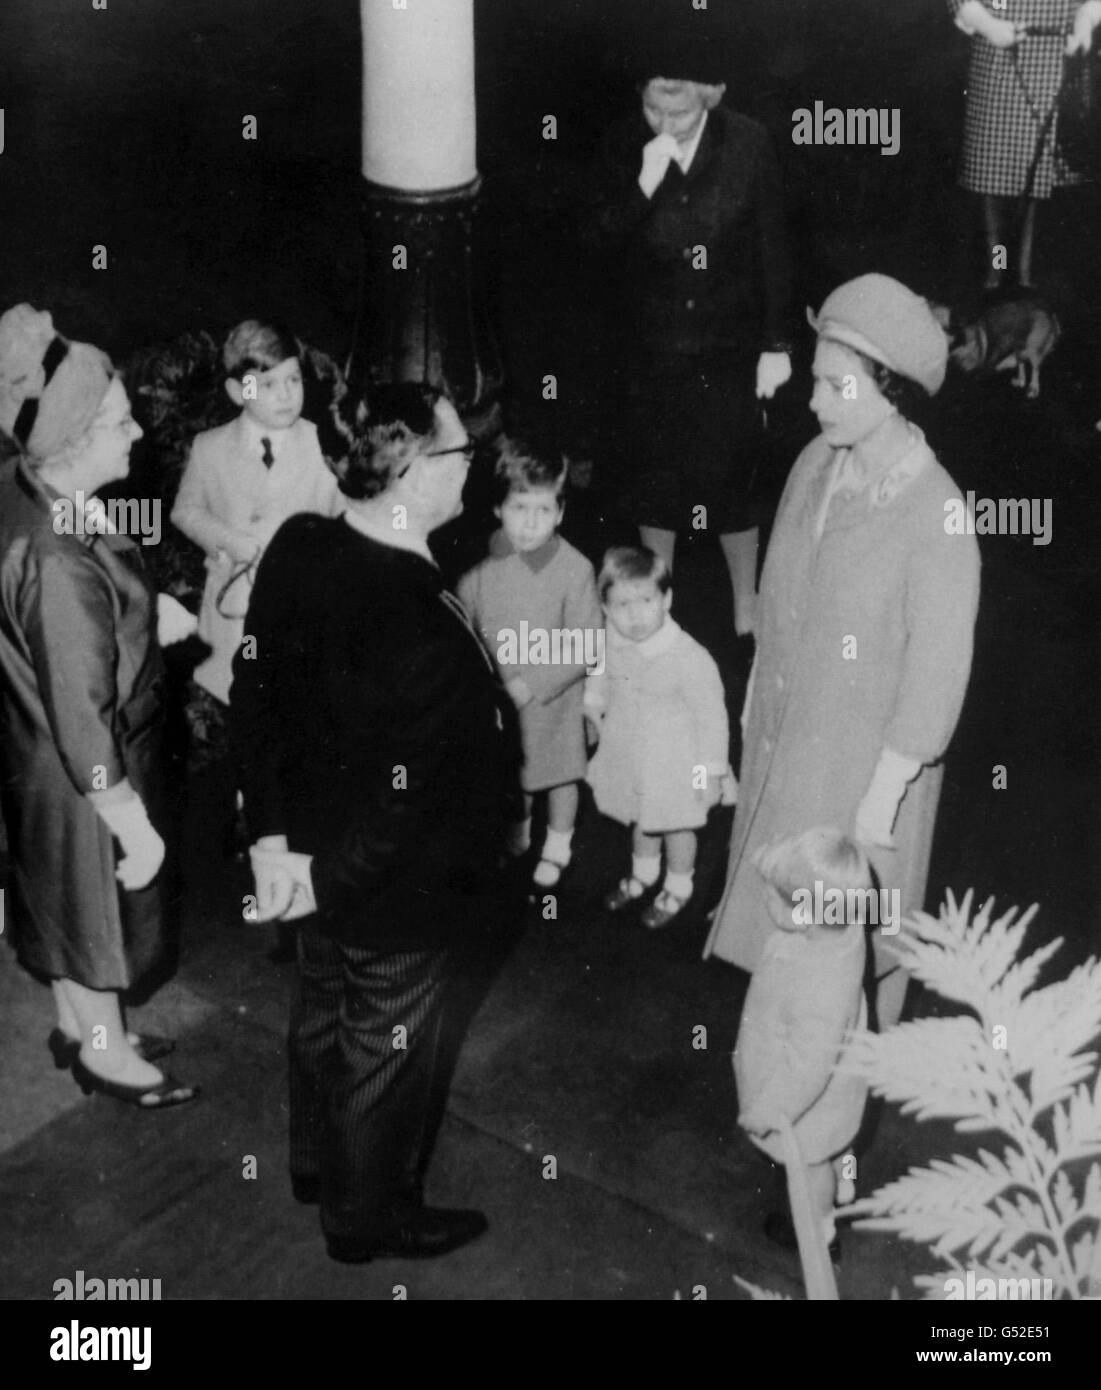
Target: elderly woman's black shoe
[
  {"x": 167, "y": 1092},
  {"x": 65, "y": 1049}
]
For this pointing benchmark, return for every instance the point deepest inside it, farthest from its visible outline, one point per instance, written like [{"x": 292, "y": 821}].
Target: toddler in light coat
[{"x": 661, "y": 715}]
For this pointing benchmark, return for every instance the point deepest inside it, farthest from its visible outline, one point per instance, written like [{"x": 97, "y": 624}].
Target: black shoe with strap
[
  {"x": 160, "y": 1096},
  {"x": 66, "y": 1049}
]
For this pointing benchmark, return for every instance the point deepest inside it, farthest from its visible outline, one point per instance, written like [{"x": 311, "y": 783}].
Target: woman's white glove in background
[{"x": 773, "y": 370}]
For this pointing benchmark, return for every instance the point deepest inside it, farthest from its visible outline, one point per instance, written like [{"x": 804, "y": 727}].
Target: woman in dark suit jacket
[
  {"x": 80, "y": 708},
  {"x": 379, "y": 771},
  {"x": 688, "y": 213}
]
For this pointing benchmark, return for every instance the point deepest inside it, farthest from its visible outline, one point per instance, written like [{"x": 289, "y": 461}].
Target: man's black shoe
[
  {"x": 306, "y": 1189},
  {"x": 421, "y": 1235}
]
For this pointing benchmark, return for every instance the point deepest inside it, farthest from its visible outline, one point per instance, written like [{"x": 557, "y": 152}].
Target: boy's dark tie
[{"x": 267, "y": 456}]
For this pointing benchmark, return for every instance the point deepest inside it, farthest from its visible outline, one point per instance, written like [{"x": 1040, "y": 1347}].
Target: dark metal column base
[{"x": 428, "y": 321}]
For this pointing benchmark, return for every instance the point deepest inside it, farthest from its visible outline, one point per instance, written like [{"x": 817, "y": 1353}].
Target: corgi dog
[{"x": 1016, "y": 334}]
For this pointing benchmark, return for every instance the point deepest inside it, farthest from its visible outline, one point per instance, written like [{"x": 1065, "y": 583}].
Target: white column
[{"x": 418, "y": 93}]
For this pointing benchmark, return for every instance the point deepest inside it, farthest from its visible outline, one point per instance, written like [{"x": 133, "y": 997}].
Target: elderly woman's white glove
[
  {"x": 143, "y": 848},
  {"x": 657, "y": 154},
  {"x": 773, "y": 369},
  {"x": 876, "y": 814},
  {"x": 1086, "y": 21},
  {"x": 174, "y": 622}
]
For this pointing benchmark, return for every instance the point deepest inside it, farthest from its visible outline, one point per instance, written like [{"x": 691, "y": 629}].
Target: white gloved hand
[
  {"x": 773, "y": 369},
  {"x": 1001, "y": 33},
  {"x": 657, "y": 154},
  {"x": 876, "y": 814},
  {"x": 284, "y": 888},
  {"x": 1086, "y": 20},
  {"x": 174, "y": 622},
  {"x": 143, "y": 848}
]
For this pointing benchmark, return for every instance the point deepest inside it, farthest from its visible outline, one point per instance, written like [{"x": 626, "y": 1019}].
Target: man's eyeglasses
[{"x": 467, "y": 450}]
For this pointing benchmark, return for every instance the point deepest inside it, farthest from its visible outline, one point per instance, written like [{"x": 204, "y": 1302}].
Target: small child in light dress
[
  {"x": 659, "y": 707},
  {"x": 534, "y": 601},
  {"x": 805, "y": 997}
]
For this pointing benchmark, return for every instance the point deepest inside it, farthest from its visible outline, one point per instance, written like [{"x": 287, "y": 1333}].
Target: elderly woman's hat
[
  {"x": 687, "y": 47},
  {"x": 50, "y": 388},
  {"x": 888, "y": 323}
]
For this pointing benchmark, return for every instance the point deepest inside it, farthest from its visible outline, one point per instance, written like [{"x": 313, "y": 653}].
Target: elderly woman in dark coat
[
  {"x": 688, "y": 212},
  {"x": 80, "y": 708},
  {"x": 868, "y": 606}
]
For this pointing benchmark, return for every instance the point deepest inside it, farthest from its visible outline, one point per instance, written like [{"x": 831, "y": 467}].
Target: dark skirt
[
  {"x": 694, "y": 440},
  {"x": 71, "y": 917}
]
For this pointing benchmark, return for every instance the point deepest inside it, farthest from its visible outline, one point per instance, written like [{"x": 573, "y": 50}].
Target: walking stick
[{"x": 813, "y": 1254}]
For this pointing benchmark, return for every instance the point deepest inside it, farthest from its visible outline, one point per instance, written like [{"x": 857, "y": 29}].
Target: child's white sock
[
  {"x": 555, "y": 857},
  {"x": 519, "y": 840},
  {"x": 556, "y": 847},
  {"x": 646, "y": 870},
  {"x": 680, "y": 885}
]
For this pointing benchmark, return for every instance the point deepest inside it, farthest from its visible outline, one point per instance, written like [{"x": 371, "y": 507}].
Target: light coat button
[{"x": 689, "y": 303}]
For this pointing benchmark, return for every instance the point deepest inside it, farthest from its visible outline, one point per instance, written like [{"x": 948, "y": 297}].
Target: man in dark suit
[{"x": 378, "y": 770}]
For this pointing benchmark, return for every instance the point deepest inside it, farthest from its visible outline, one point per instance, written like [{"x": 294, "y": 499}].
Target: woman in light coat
[{"x": 867, "y": 609}]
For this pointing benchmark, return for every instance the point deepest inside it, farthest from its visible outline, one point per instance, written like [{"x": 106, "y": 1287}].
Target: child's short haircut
[
  {"x": 257, "y": 347},
  {"x": 520, "y": 469},
  {"x": 822, "y": 855},
  {"x": 631, "y": 562}
]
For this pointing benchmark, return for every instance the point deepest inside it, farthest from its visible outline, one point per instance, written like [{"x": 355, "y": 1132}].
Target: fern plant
[{"x": 1020, "y": 1066}]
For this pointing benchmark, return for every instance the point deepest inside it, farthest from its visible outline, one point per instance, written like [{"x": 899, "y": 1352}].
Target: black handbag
[{"x": 1080, "y": 111}]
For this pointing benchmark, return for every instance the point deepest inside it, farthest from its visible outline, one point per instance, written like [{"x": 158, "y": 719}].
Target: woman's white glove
[
  {"x": 773, "y": 369},
  {"x": 657, "y": 154},
  {"x": 174, "y": 622},
  {"x": 876, "y": 814},
  {"x": 143, "y": 848},
  {"x": 974, "y": 18},
  {"x": 1086, "y": 21}
]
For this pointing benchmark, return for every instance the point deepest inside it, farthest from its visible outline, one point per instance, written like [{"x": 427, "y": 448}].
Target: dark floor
[{"x": 117, "y": 132}]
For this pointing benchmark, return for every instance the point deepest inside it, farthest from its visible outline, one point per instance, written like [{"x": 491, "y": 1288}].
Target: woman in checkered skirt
[{"x": 1012, "y": 87}]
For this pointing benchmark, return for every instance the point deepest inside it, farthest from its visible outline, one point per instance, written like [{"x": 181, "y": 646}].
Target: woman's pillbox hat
[
  {"x": 50, "y": 389},
  {"x": 889, "y": 323}
]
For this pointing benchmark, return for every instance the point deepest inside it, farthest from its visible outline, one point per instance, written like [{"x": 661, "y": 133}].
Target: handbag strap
[{"x": 243, "y": 570}]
